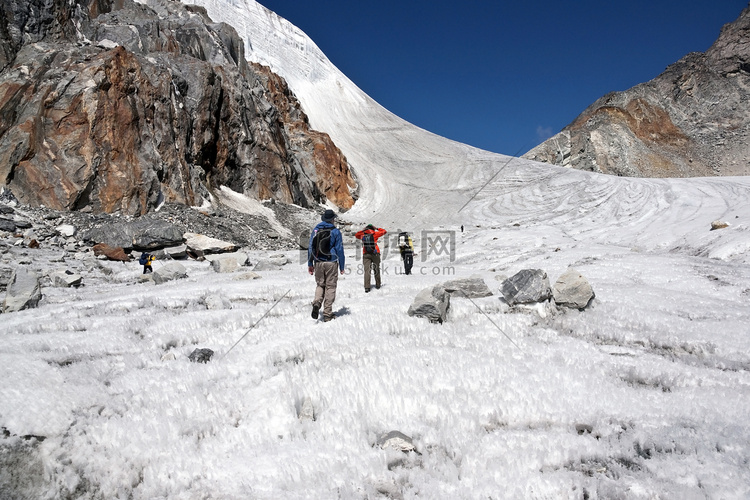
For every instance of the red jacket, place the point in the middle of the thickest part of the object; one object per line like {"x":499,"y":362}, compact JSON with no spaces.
{"x":377,"y":233}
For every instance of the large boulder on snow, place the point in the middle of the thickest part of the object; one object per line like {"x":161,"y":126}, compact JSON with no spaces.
{"x":111,"y":253}
{"x":273,"y":263}
{"x":572,"y":290}
{"x":199,"y":245}
{"x":7,"y":225}
{"x":176,"y":252}
{"x":526,"y":287}
{"x":24,"y":290}
{"x":431,"y":303}
{"x":227,"y":262}
{"x":473,"y":287}
{"x":141,"y":234}
{"x":396,"y":440}
{"x":168,"y":272}
{"x":202,"y":355}
{"x":66,"y":279}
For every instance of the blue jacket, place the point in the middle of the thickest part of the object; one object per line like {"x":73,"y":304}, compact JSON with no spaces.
{"x":337,"y":246}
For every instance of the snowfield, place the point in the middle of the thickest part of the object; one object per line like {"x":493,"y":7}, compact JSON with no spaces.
{"x":644,"y":394}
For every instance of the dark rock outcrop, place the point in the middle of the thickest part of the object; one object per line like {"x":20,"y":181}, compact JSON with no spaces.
{"x":140,"y":234}
{"x":114,"y":106}
{"x":692,"y":120}
{"x":202,"y":355}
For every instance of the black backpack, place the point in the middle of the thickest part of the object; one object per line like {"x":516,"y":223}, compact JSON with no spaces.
{"x":368,"y":242}
{"x":321,"y":244}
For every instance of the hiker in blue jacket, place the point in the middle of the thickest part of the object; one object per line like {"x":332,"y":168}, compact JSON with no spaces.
{"x":325,"y":255}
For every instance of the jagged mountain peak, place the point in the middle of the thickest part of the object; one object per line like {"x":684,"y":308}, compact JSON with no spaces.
{"x":693,"y":120}
{"x":112,"y":106}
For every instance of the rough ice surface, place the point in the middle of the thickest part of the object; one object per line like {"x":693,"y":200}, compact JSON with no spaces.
{"x":645,"y":394}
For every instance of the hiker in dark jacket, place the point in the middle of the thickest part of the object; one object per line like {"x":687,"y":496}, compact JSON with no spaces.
{"x":371,"y":253}
{"x":325,"y":256}
{"x":406,"y":247}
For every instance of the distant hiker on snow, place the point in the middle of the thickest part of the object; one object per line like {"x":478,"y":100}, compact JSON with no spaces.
{"x":406,"y":246}
{"x":325,"y":254}
{"x":145,"y":260}
{"x":371,"y":253}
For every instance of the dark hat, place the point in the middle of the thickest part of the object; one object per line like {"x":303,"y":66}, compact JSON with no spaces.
{"x":328,"y":216}
{"x":370,"y":226}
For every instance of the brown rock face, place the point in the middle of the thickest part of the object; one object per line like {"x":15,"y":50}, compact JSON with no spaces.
{"x":143,"y":105}
{"x":112,"y":253}
{"x":332,"y":174}
{"x":692,"y":120}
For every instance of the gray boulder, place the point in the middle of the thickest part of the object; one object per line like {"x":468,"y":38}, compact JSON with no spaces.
{"x":7,"y":198}
{"x":271,"y":264}
{"x":5,"y":275}
{"x":22,"y":223}
{"x":227,"y":262}
{"x":473,"y":287}
{"x":24,"y":290}
{"x":572,"y":290}
{"x":7,"y":225}
{"x":526,"y":286}
{"x":176,"y":252}
{"x":201,"y":245}
{"x":66,"y":279}
{"x":431,"y":303}
{"x":168,"y":272}
{"x":306,"y":410}
{"x":397,"y":441}
{"x":141,"y":234}
{"x":247,"y":276}
{"x":201,"y":355}
{"x":224,"y":265}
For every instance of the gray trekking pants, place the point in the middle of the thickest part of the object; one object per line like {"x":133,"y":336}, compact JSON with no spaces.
{"x":326,"y":277}
{"x":371,"y":262}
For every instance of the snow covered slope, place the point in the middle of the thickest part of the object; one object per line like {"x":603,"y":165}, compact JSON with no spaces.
{"x":645,"y":394}
{"x":402,"y":170}
{"x":413,"y":179}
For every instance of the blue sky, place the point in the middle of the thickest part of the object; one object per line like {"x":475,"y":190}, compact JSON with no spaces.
{"x":503,"y":76}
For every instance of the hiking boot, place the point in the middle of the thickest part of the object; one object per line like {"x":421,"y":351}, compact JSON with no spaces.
{"x":328,"y":318}
{"x":367,"y":290}
{"x":315,"y":311}
{"x":377,"y":287}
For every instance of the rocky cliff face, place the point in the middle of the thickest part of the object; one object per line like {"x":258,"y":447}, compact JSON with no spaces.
{"x":114,"y":106}
{"x":692,"y":120}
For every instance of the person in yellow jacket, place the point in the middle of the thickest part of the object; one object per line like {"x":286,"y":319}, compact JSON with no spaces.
{"x":146,"y":260}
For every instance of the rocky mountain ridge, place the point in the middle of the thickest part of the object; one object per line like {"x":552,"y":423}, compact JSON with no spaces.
{"x":113,"y":106}
{"x":692,"y":120}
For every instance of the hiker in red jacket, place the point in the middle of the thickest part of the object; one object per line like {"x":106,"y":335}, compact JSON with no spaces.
{"x":371,"y":253}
